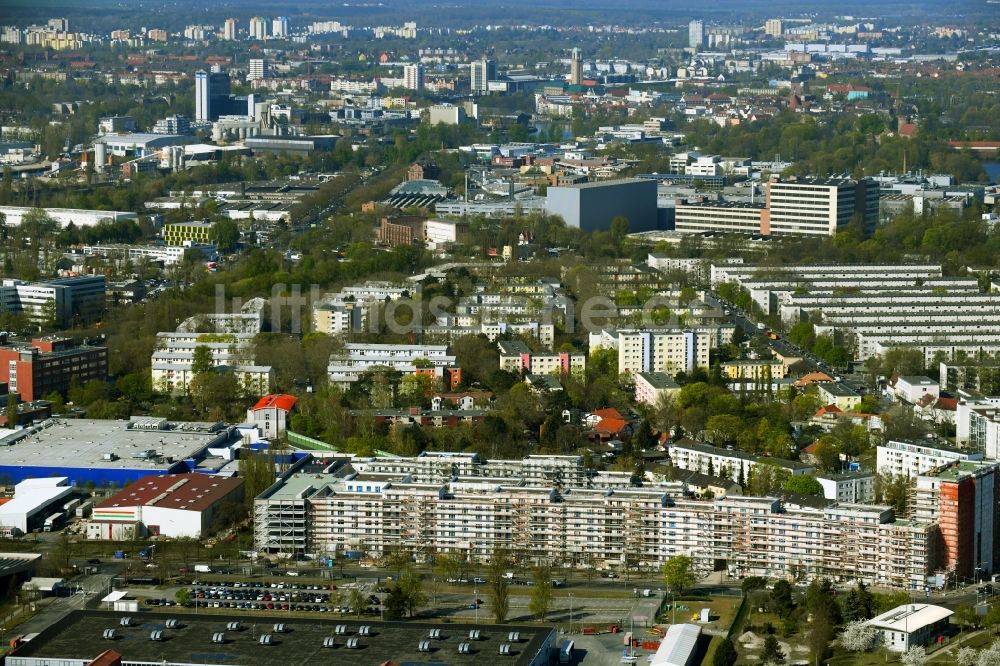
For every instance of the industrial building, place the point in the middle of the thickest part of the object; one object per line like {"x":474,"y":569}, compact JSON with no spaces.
{"x":171,"y":505}
{"x":34,"y":499}
{"x":80,"y":638}
{"x":592,"y":206}
{"x":119,"y":452}
{"x":14,"y":215}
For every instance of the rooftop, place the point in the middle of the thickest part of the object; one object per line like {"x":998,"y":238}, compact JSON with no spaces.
{"x":910,"y":617}
{"x":191,"y":492}
{"x":78,"y":636}
{"x":140,"y":443}
{"x":281,"y":401}
{"x":659,"y":380}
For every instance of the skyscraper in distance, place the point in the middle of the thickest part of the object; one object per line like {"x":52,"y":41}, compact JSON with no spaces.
{"x":202,"y":96}
{"x":229,"y":30}
{"x":696,"y":34}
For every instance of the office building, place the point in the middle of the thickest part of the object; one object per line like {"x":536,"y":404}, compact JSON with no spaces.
{"x":413,"y":76}
{"x":279,"y":27}
{"x":258,"y":69}
{"x":696,"y":34}
{"x":819,"y":207}
{"x":576,"y":67}
{"x":171,"y":505}
{"x":517,"y":357}
{"x":180,"y":233}
{"x":202,"y":96}
{"x":481,"y":73}
{"x":719,"y":216}
{"x":229,"y":29}
{"x":773,"y":28}
{"x":50,"y":364}
{"x":593,"y":206}
{"x":258,"y":28}
{"x":57,"y":302}
{"x":176,"y":124}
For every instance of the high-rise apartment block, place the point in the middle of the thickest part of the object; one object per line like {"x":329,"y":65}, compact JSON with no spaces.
{"x":481,"y":73}
{"x":279,"y":27}
{"x":229,"y":29}
{"x":413,"y":76}
{"x":258,"y":28}
{"x":202,"y":93}
{"x":819,"y":206}
{"x":258,"y":69}
{"x":773,"y":28}
{"x":696,"y":34}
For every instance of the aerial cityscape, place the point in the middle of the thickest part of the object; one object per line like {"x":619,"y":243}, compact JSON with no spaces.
{"x":434,"y":333}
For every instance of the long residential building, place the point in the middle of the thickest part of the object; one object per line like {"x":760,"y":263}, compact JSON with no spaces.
{"x":911,"y":459}
{"x":668,"y":350}
{"x":515,"y":356}
{"x":173,"y":360}
{"x":342,"y":508}
{"x":727,"y":463}
{"x":347,"y":366}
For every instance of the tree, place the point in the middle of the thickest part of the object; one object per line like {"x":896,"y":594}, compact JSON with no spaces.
{"x":803,"y":484}
{"x":725,"y":654}
{"x":752,"y":583}
{"x":226,"y":234}
{"x":915,"y":656}
{"x":619,"y":228}
{"x":772,"y":653}
{"x":858,"y":636}
{"x":678,"y":573}
{"x":541,"y":593}
{"x":183,"y":596}
{"x":357,"y":601}
{"x":395,"y":604}
{"x":966,"y":655}
{"x":499,"y":585}
{"x":781,"y":603}
{"x":10,"y":411}
{"x":411,"y":585}
{"x":201,"y":360}
{"x":820,"y":634}
{"x":859,"y":604}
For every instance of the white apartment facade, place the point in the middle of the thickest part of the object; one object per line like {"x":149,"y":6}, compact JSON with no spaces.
{"x":727,"y":463}
{"x":600,"y":528}
{"x":851,"y":487}
{"x":911,"y":459}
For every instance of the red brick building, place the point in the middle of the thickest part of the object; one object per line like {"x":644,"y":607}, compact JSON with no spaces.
{"x":50,"y":364}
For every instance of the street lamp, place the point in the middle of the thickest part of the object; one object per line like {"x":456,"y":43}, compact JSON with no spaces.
{"x":571,"y":612}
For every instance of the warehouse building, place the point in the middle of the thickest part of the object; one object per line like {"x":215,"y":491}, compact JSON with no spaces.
{"x":79,"y":217}
{"x":78,"y":639}
{"x":592,"y":206}
{"x":33,"y":501}
{"x":115,"y":452}
{"x":171,"y":505}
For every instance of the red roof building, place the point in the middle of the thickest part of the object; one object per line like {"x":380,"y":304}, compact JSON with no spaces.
{"x":174,"y":505}
{"x":270,"y":414}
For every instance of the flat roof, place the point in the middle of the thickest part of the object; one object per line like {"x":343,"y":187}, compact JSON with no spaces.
{"x":602,"y":183}
{"x":191,"y":492}
{"x":85,"y":442}
{"x":79,"y":636}
{"x":910,"y":618}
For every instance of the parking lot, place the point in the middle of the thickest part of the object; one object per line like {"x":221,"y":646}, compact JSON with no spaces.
{"x":273,"y":596}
